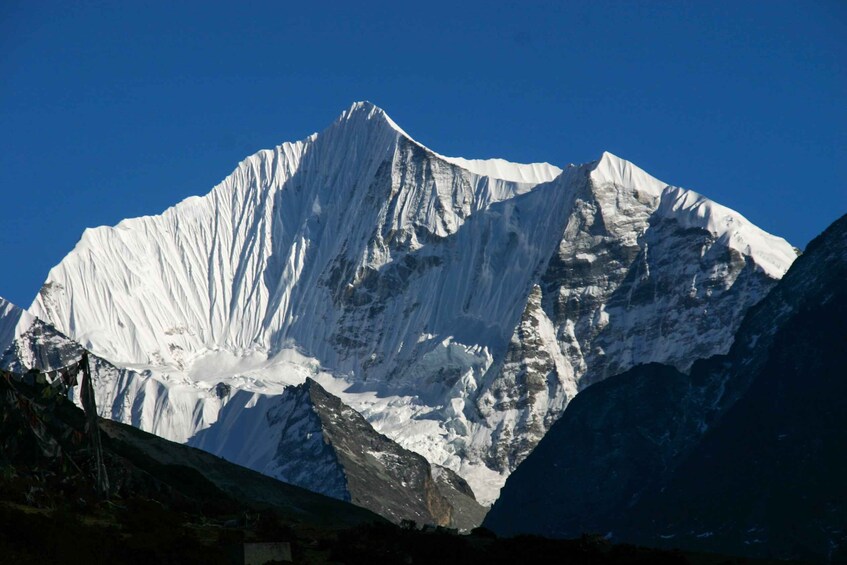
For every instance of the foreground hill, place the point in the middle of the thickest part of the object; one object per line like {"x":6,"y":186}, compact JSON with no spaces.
{"x":744,"y":456}
{"x":174,"y":504}
{"x":43,"y":443}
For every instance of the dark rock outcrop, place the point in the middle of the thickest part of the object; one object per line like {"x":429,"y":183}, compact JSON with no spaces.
{"x":312,"y":439}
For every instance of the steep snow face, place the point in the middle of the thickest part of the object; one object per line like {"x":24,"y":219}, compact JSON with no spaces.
{"x":533,"y":173}
{"x":458,"y":305}
{"x":237,"y":269}
{"x":13,"y":322}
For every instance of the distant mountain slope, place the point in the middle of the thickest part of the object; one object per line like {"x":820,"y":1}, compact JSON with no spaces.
{"x":459,"y":305}
{"x":10,"y":318}
{"x":743,"y":456}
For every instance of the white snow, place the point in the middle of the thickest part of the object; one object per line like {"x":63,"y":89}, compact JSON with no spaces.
{"x":393,"y":276}
{"x":14,"y":321}
{"x":773,"y":254}
{"x":532,"y":173}
{"x":614,"y":170}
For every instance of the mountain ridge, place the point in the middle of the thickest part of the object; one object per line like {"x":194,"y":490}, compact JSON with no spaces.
{"x":313,"y":440}
{"x":397,"y":278}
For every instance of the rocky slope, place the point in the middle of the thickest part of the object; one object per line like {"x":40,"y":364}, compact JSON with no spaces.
{"x":312,"y":439}
{"x":743,"y":456}
{"x":458,"y":305}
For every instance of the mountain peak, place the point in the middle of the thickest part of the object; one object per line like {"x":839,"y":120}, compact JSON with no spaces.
{"x":311,"y":387}
{"x":367,"y":113}
{"x":362,"y":107}
{"x":610,"y":168}
{"x":365,"y":106}
{"x":14,"y":320}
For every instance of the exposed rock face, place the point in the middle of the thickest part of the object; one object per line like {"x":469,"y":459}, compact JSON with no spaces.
{"x":459,"y":305}
{"x":768,"y":477}
{"x":534,"y":375}
{"x":314,"y":440}
{"x":743,"y":456}
{"x":612,"y":442}
{"x":466,"y":513}
{"x":630,"y":282}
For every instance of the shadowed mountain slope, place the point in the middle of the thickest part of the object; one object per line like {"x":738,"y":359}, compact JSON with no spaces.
{"x":744,"y":455}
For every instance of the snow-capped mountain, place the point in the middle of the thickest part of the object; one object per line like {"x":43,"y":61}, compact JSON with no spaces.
{"x":459,"y":305}
{"x":14,"y":321}
{"x":27,"y":342}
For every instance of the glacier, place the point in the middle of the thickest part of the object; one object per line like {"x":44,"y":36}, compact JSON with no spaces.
{"x":457,"y":304}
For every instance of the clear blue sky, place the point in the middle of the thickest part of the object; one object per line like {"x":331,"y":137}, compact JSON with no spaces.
{"x":117,"y":109}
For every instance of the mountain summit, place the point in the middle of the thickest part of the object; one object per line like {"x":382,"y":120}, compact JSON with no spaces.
{"x":458,"y":304}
